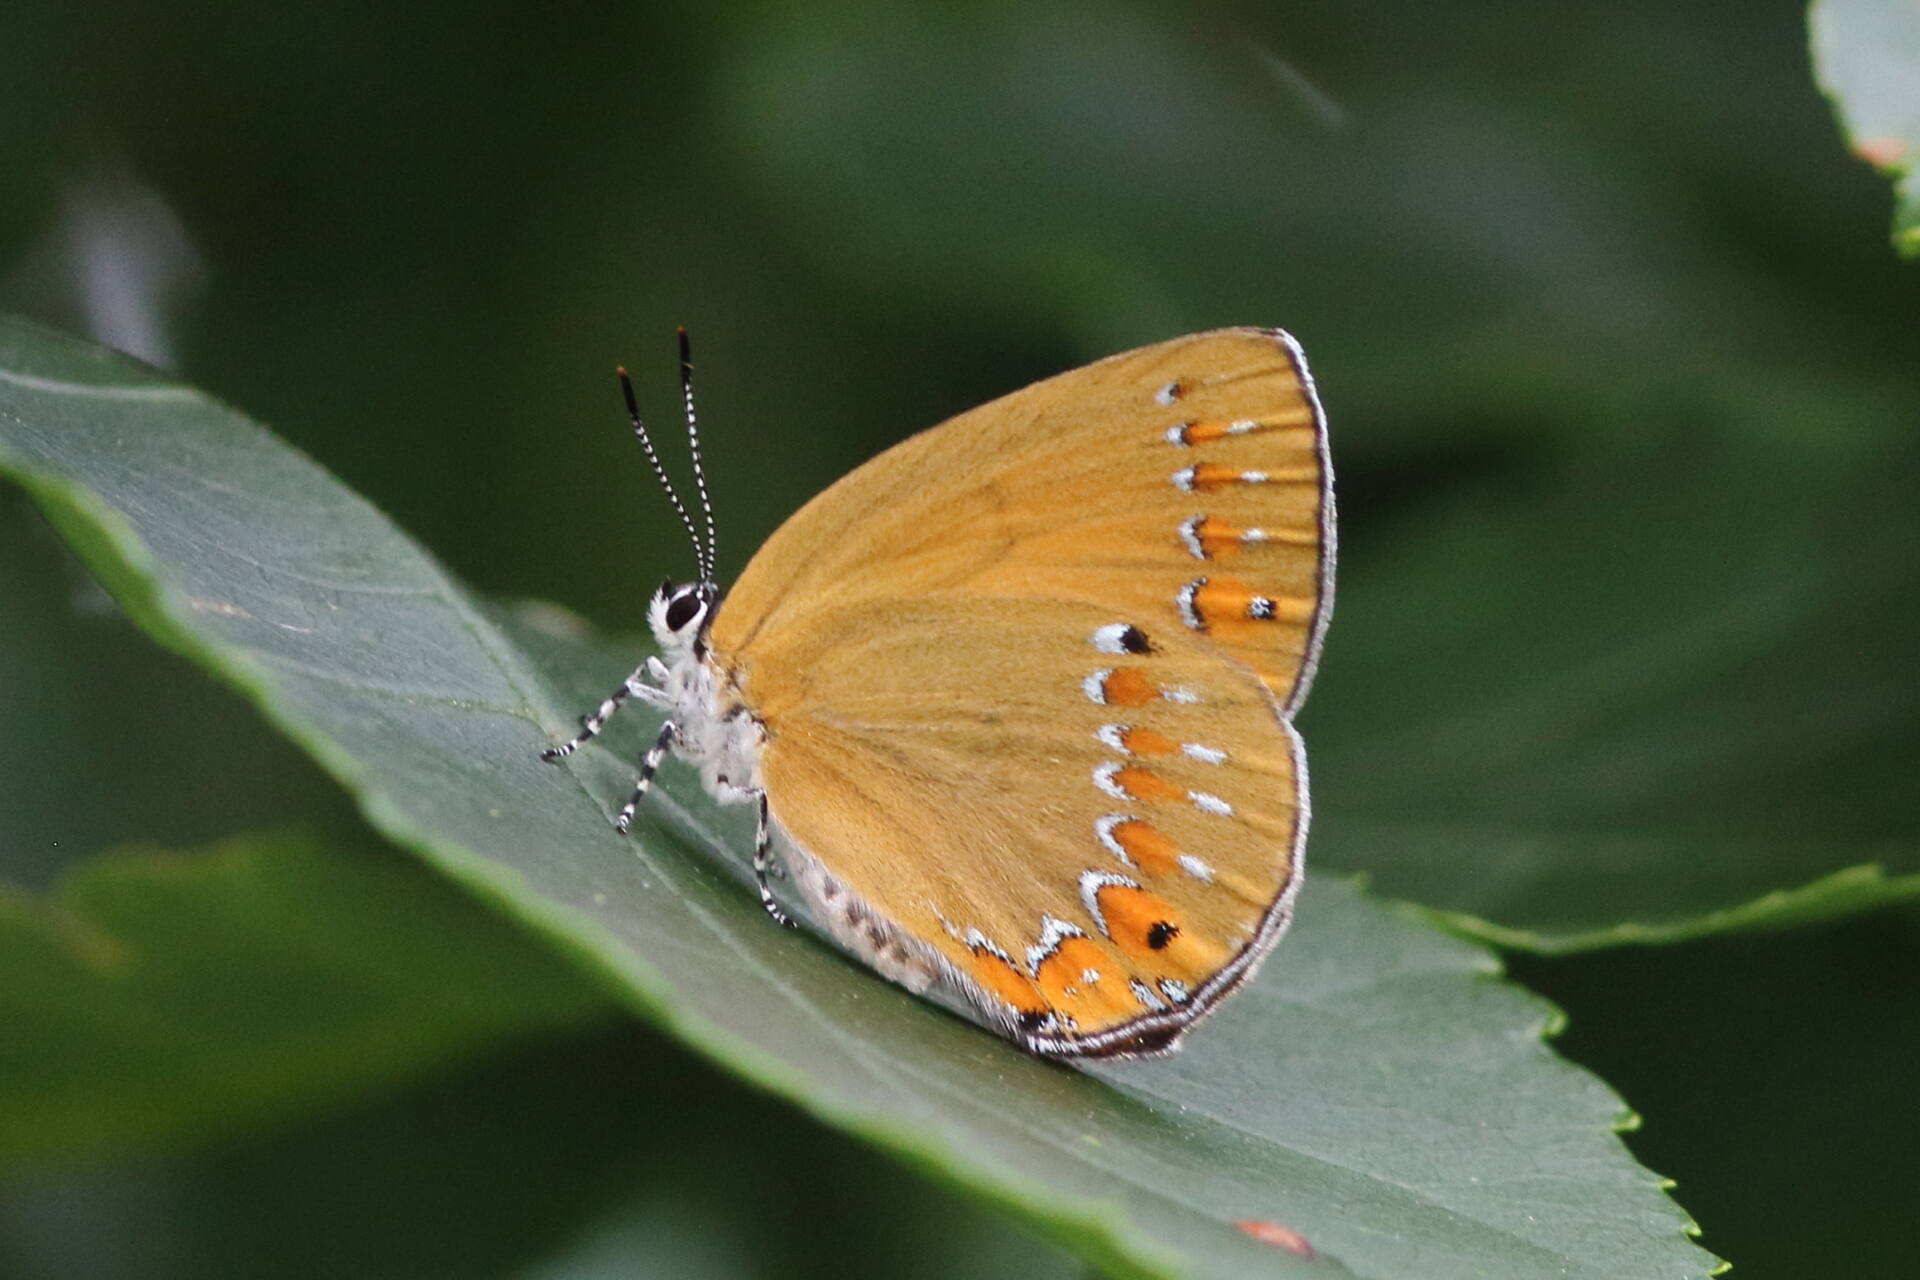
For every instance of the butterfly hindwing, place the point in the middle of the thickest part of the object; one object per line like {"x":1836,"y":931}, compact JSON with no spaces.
{"x":1093,"y":836}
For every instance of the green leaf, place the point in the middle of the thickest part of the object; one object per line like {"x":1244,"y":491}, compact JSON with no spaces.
{"x":1866,"y":54}
{"x":1378,"y":1091}
{"x":161,"y":997}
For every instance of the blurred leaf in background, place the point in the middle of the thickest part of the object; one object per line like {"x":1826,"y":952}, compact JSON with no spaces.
{"x":165,"y":996}
{"x":1622,"y":375}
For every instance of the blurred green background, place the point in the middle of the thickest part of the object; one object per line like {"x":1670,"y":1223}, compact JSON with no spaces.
{"x":1624,"y":383}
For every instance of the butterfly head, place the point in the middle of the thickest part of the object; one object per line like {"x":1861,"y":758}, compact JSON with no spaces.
{"x":679,"y":614}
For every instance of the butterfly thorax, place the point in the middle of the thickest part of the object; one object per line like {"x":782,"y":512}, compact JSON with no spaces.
{"x":712,"y":730}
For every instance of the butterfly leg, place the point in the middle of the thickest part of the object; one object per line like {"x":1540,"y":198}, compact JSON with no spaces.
{"x":762,"y":859}
{"x":655,"y":754}
{"x":590,"y":725}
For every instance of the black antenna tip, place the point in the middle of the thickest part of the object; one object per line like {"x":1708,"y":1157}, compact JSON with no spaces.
{"x":626,"y":389}
{"x":686,"y":348}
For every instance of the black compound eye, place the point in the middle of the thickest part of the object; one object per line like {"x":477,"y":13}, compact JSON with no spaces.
{"x":681,"y":610}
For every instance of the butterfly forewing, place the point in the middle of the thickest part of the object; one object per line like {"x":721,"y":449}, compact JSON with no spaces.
{"x":1025,"y":678}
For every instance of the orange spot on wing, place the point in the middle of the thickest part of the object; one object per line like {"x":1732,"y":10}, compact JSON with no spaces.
{"x":1003,"y":981}
{"x":1207,"y":430}
{"x":1150,"y":851}
{"x":1202,"y":432}
{"x":1150,"y":931}
{"x":1062,"y":979}
{"x":1220,"y":540}
{"x":1223,"y":600}
{"x":1211,"y":476}
{"x":1142,"y":784}
{"x":1128,"y":687}
{"x":1145,"y":742}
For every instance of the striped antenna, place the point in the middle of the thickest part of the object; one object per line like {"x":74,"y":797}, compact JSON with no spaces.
{"x":660,"y":472}
{"x":699,"y":469}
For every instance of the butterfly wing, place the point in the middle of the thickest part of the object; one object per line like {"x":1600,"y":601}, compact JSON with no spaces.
{"x":1026,"y":681}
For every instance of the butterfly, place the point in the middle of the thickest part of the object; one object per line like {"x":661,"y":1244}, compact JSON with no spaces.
{"x":1015,"y":699}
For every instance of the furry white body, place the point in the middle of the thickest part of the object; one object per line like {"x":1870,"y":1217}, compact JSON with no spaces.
{"x":711,"y":729}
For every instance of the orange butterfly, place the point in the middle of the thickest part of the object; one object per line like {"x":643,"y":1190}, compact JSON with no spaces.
{"x":1015,"y":698}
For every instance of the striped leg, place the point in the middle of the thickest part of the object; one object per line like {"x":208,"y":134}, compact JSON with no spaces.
{"x":590,"y":725}
{"x":762,"y":858}
{"x":655,"y":754}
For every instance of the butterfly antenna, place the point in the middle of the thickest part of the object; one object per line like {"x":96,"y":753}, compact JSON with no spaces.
{"x":659,"y":472}
{"x":699,"y":468}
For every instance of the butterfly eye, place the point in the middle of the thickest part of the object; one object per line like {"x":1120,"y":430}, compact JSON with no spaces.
{"x":682,"y":609}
